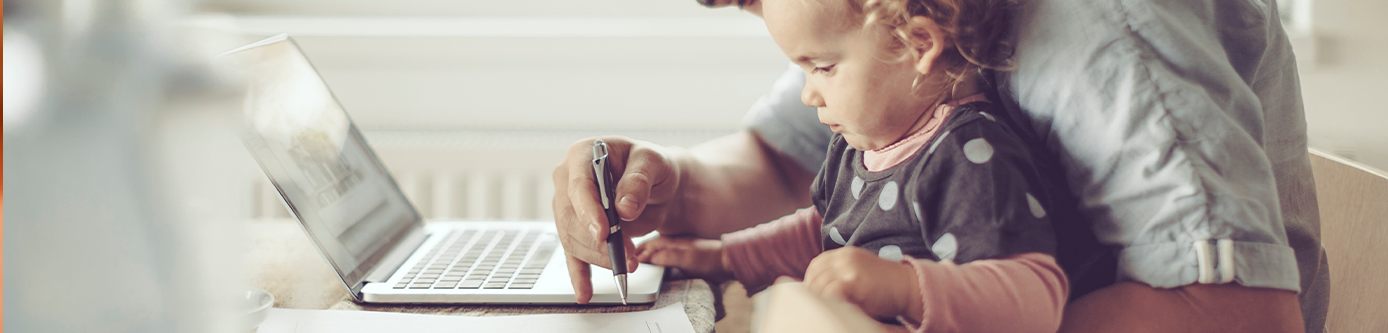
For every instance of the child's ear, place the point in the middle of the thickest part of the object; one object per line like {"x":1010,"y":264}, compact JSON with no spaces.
{"x":928,"y":40}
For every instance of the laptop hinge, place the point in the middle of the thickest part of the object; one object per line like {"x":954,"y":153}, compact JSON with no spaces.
{"x":355,"y":291}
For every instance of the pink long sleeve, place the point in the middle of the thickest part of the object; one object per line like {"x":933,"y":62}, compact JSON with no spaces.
{"x":1022,"y":293}
{"x":760,"y":254}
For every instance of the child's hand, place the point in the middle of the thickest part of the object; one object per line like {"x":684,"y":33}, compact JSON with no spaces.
{"x":883,"y":288}
{"x":697,"y":257}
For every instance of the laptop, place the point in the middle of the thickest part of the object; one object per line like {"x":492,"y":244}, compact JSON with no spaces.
{"x":356,"y":214}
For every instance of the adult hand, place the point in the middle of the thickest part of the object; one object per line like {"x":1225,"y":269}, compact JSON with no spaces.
{"x":649,"y":180}
{"x":882,"y":288}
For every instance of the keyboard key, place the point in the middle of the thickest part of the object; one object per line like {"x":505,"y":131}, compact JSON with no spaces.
{"x":495,"y":286}
{"x":447,"y":285}
{"x":522,"y":286}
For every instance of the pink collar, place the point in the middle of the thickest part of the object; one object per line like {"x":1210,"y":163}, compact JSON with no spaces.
{"x":900,"y":151}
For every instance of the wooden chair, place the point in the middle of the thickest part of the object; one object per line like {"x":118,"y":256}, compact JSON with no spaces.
{"x":1354,"y":230}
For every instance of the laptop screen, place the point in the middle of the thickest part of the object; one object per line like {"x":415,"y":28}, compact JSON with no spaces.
{"x":318,"y":160}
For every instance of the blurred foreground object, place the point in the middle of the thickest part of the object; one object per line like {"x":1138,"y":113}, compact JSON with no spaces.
{"x":791,"y":308}
{"x":114,"y":151}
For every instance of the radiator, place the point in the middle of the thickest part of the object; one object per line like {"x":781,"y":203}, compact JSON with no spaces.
{"x":451,"y":195}
{"x":477,"y":175}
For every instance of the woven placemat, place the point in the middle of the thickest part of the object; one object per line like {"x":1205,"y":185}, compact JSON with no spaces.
{"x":696,"y":294}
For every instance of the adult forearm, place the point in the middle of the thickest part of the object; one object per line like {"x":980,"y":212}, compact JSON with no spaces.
{"x":732,"y":183}
{"x":1134,"y":307}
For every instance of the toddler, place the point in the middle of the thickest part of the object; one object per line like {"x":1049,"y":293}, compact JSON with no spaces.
{"x":930,"y":209}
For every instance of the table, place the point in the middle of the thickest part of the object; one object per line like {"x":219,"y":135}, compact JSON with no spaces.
{"x":283,"y":261}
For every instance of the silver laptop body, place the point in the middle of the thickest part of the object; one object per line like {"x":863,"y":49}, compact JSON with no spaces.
{"x":364,"y":226}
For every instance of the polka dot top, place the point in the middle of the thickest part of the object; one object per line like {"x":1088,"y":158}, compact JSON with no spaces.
{"x":972,"y":193}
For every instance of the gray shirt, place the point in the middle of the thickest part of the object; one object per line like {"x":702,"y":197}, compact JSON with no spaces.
{"x":1180,"y":129}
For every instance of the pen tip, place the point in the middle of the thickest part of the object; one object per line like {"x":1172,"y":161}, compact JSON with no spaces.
{"x":622,"y":286}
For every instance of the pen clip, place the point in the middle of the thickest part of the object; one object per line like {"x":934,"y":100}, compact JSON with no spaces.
{"x":600,"y":171}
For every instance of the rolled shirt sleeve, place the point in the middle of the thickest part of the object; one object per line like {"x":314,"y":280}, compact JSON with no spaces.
{"x":1150,"y":107}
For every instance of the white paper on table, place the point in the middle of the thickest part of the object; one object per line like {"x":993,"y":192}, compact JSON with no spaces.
{"x":669,"y":319}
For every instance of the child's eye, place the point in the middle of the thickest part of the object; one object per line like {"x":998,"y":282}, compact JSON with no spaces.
{"x":822,"y":70}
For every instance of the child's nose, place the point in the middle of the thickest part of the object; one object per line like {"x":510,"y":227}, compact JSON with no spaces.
{"x":811,"y":97}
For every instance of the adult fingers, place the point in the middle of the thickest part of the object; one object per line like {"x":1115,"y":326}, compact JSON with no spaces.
{"x":580,"y":274}
{"x":575,"y":236}
{"x":648,"y":178}
{"x":582,"y":193}
{"x":576,"y":210}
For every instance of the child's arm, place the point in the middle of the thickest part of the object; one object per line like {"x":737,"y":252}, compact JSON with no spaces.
{"x":755,"y":256}
{"x":785,"y":247}
{"x":1022,"y":293}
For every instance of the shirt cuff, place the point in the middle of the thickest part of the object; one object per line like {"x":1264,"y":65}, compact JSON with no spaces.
{"x":1175,"y":264}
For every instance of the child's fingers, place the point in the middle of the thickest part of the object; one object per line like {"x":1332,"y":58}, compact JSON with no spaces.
{"x":657,"y":245}
{"x":644,"y":251}
{"x":668,"y":258}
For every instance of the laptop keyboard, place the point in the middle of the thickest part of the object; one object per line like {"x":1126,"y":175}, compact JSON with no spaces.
{"x":492,"y":259}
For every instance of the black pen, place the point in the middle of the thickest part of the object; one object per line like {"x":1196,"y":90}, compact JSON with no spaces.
{"x":607,"y":190}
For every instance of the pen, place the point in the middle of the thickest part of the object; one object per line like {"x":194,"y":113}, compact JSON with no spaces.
{"x":607,"y":190}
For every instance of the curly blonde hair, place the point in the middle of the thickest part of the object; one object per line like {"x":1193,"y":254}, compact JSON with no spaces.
{"x":979,"y":28}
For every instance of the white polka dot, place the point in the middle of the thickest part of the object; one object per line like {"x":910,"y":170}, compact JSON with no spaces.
{"x":945,"y":247}
{"x":986,"y":115}
{"x":887,"y":200}
{"x":978,"y":151}
{"x":1036,"y":209}
{"x":857,"y":187}
{"x":917,"y":206}
{"x":889,"y":252}
{"x":834,"y":235}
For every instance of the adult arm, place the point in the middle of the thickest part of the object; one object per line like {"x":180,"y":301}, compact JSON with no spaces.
{"x":1160,"y":112}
